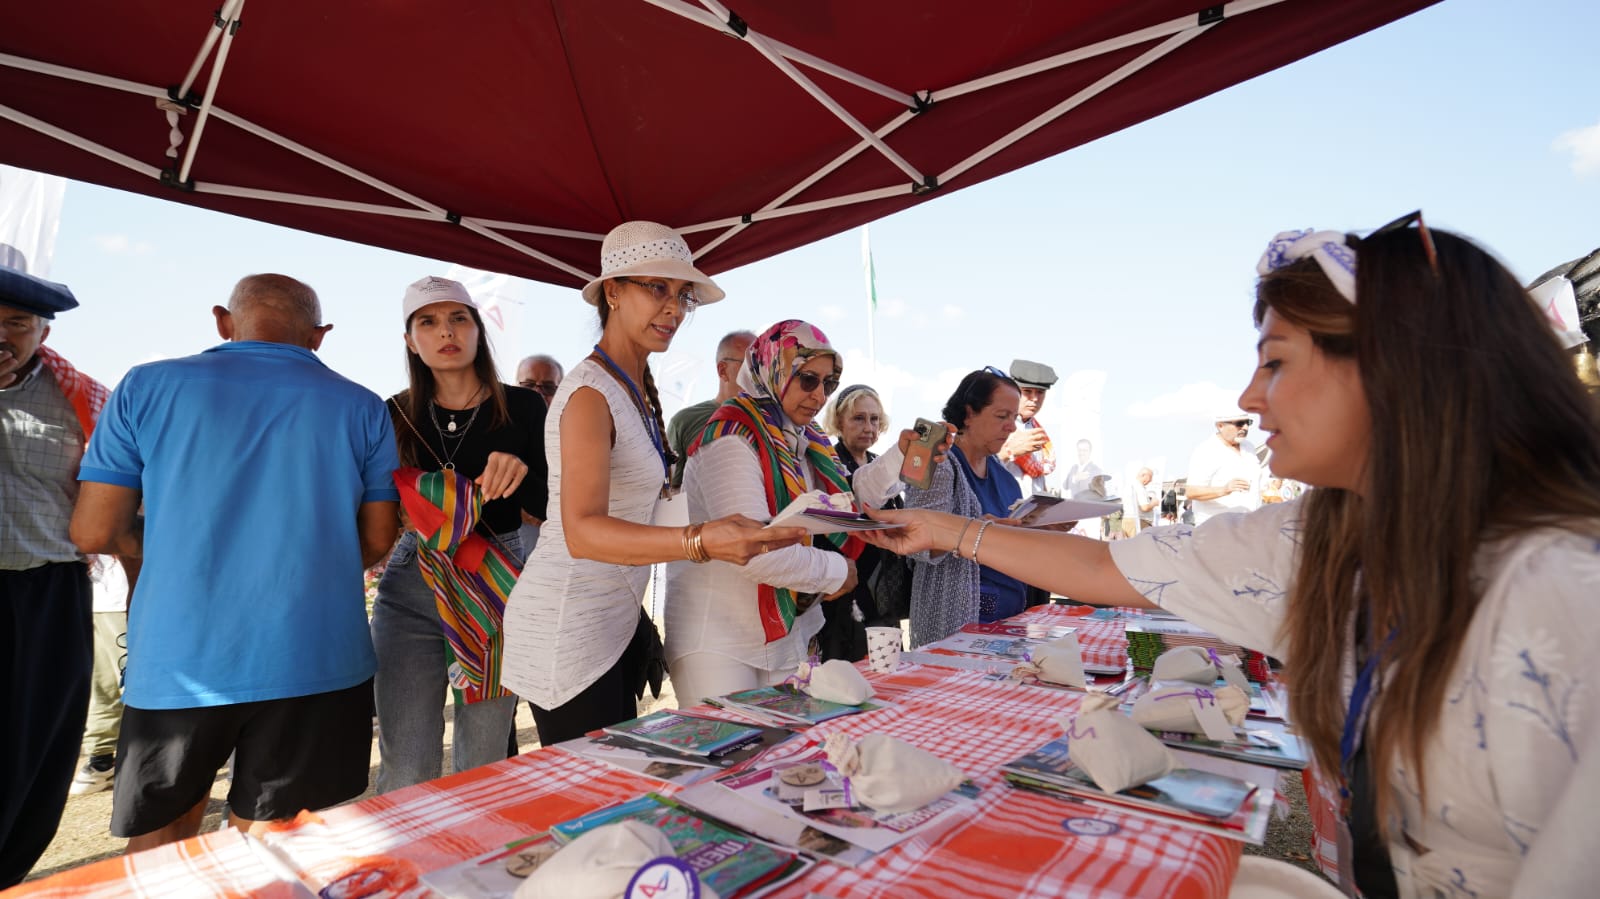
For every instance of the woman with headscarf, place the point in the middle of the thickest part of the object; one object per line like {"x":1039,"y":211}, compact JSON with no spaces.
{"x":735,"y":628}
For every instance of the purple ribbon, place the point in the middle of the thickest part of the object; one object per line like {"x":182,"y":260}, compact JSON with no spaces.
{"x":1198,"y":693}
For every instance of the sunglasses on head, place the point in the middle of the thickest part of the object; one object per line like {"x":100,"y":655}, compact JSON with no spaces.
{"x":1423,"y":234}
{"x":810,"y":381}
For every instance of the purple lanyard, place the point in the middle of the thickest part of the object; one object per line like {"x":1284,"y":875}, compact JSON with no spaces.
{"x":649,"y":420}
{"x":1355,"y":718}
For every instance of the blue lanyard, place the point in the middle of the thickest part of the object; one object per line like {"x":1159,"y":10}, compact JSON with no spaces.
{"x":649,"y":420}
{"x":1355,"y":717}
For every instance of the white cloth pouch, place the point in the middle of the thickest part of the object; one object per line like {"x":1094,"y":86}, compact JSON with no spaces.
{"x":890,"y":775}
{"x":599,"y":864}
{"x":1111,"y":749}
{"x":835,"y":681}
{"x":1170,"y":707}
{"x":1060,"y":662}
{"x":1188,"y":663}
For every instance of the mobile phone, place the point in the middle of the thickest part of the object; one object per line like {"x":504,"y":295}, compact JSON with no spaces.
{"x":917,"y":469}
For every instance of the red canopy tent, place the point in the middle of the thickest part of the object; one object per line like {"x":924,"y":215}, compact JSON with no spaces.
{"x":510,"y":136}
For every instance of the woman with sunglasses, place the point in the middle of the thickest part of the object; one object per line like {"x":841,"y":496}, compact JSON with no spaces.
{"x":1433,"y":600}
{"x":949,"y":591}
{"x":731,"y":628}
{"x":578,"y":644}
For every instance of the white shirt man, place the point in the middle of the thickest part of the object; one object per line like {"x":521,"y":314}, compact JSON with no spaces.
{"x":1224,"y":473}
{"x":1144,"y":500}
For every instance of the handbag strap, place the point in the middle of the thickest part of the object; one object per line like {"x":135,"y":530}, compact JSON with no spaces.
{"x":405,"y":418}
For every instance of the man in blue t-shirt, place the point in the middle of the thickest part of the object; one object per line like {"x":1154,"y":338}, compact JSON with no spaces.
{"x":267,"y":491}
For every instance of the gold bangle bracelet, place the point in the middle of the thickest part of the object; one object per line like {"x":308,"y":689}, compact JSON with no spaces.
{"x":963,"y":538}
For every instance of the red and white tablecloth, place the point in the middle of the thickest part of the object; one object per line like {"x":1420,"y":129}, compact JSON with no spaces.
{"x":1013,"y":843}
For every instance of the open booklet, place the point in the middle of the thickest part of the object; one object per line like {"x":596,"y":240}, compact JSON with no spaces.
{"x":826,"y":513}
{"x":1041,"y":509}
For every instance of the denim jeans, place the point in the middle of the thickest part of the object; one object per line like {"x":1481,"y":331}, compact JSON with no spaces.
{"x":410,"y":686}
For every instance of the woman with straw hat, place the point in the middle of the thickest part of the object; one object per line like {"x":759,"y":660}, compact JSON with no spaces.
{"x":578,"y":644}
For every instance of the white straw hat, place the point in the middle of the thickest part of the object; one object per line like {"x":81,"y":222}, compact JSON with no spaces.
{"x":432,"y":290}
{"x":645,"y":249}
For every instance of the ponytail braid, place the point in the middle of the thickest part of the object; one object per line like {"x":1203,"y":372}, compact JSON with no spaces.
{"x":654,"y":399}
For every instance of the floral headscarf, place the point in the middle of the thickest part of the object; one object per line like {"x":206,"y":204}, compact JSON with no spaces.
{"x":757,"y":415}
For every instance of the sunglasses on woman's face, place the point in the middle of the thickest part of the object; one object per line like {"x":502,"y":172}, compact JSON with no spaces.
{"x":809,"y":381}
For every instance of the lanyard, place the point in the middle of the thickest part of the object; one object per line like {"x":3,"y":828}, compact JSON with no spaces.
{"x":1355,"y":718}
{"x":638,"y":400}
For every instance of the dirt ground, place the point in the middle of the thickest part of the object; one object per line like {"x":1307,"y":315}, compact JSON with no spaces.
{"x":84,"y":835}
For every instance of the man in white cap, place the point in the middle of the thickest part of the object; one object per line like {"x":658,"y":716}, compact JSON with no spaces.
{"x":1028,"y":453}
{"x":1224,"y":473}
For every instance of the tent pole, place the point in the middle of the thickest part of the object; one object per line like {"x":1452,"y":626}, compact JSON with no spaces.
{"x":80,"y":76}
{"x":219,"y":23}
{"x":67,"y":137}
{"x":231,"y":28}
{"x":1045,"y":118}
{"x":524,"y":248}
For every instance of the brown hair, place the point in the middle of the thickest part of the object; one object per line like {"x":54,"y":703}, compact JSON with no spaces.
{"x":414,"y":400}
{"x":1481,"y":431}
{"x":651,"y":395}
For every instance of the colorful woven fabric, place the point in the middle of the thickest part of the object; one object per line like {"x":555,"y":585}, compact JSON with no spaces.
{"x":470,"y":577}
{"x":757,"y":416}
{"x":86,"y":395}
{"x":1041,"y":462}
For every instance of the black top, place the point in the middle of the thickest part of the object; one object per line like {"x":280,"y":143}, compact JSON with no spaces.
{"x":523,"y":438}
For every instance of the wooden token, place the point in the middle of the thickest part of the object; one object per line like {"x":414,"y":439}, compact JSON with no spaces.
{"x":525,"y":861}
{"x":807,"y":775}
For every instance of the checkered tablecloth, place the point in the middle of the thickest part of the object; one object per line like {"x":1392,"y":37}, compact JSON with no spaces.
{"x":1103,"y":642}
{"x":1012,"y":843}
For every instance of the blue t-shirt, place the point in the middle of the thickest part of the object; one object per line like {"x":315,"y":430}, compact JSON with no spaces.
{"x":253,"y":459}
{"x":999,"y":595}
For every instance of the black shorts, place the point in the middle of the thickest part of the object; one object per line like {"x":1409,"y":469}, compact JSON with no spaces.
{"x":305,"y":752}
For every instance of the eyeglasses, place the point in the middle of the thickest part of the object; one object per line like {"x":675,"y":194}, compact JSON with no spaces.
{"x":1242,"y":423}
{"x":1405,"y":221}
{"x":547,"y":388}
{"x":739,"y":361}
{"x":687,"y":301}
{"x":810,"y":381}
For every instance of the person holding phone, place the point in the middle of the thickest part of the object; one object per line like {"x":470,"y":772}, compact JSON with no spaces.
{"x":950,"y":590}
{"x":736,"y":628}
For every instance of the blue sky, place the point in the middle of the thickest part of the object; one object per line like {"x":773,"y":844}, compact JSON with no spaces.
{"x":1130,"y":260}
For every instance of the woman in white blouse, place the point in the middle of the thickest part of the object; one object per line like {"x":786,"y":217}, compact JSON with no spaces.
{"x":1434,"y":601}
{"x":577,"y":641}
{"x":735,"y":628}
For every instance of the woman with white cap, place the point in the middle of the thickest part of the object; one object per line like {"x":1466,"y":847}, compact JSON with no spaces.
{"x":578,"y":643}
{"x":457,"y":415}
{"x":1433,"y":600}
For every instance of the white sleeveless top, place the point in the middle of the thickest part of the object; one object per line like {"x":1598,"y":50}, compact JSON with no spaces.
{"x":568,"y":620}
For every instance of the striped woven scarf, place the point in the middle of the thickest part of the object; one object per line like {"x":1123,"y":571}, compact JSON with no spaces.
{"x":784,"y":480}
{"x":469,"y":575}
{"x":86,"y":395}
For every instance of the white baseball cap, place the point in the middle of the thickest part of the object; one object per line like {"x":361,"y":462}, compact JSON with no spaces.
{"x":433,"y":289}
{"x":1235,"y":415}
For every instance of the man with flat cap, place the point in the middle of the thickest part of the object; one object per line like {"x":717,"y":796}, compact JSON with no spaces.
{"x":48,"y":410}
{"x":1028,"y":453}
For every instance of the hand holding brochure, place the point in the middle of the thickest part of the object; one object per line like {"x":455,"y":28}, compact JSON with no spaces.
{"x":826,"y":513}
{"x":1041,"y":510}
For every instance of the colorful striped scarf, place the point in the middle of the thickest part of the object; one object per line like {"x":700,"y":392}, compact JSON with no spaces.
{"x":470,"y":577}
{"x":757,"y":422}
{"x":86,"y":395}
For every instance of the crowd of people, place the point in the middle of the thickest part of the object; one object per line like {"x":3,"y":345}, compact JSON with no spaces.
{"x":1430,"y":612}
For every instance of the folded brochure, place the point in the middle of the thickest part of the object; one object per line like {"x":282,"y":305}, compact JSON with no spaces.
{"x":826,"y":513}
{"x":691,"y":734}
{"x":1041,"y":510}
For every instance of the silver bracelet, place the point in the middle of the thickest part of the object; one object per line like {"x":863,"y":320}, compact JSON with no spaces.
{"x":979,"y":541}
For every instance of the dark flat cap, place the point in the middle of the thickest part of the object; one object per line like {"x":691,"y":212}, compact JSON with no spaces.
{"x":1033,"y":374}
{"x":20,"y":290}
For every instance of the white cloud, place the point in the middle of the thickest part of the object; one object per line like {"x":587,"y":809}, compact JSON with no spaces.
{"x":951,"y":312}
{"x":1584,"y":145}
{"x":832,"y":313}
{"x":1191,"y":401}
{"x":893,"y":308}
{"x":122,"y":245}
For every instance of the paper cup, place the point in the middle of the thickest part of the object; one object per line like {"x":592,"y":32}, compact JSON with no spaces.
{"x":883,"y":649}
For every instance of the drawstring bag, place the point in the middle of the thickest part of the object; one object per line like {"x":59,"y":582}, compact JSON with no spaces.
{"x":834,"y":681}
{"x":599,"y":864}
{"x":1171,"y":707}
{"x":890,"y":775}
{"x":1115,"y":752}
{"x":1060,"y":662}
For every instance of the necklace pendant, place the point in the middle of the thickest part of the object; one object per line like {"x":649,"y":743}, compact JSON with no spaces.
{"x":449,"y":466}
{"x":451,"y":427}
